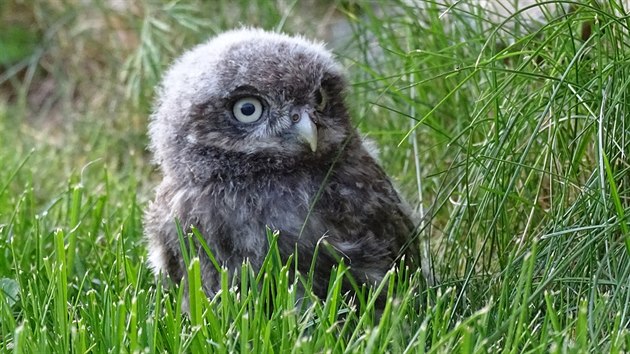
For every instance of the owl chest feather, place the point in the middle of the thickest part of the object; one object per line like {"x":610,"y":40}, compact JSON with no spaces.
{"x":233,"y":216}
{"x":353,"y":204}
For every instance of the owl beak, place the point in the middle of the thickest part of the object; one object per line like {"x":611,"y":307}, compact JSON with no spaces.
{"x":305,"y":128}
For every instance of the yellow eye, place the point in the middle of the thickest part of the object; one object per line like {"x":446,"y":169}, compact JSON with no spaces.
{"x":320,"y":99}
{"x":247,"y":110}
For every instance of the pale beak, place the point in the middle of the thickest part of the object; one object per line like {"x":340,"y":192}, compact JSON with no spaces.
{"x":305,"y":128}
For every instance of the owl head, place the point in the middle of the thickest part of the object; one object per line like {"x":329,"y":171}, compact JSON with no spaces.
{"x":246,"y":102}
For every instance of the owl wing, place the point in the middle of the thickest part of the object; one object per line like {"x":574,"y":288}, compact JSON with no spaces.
{"x":362,"y":219}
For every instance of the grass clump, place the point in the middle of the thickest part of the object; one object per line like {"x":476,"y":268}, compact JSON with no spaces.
{"x":512,"y":139}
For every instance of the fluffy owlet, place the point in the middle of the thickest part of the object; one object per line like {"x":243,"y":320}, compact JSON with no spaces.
{"x":251,"y":131}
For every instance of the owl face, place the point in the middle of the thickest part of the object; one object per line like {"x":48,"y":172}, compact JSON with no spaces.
{"x":250,"y":94}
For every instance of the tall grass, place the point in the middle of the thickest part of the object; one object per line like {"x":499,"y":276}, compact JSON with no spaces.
{"x":512,"y":140}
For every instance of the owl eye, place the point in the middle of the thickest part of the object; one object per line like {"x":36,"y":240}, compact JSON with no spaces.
{"x":247,"y":110}
{"x":320,"y":99}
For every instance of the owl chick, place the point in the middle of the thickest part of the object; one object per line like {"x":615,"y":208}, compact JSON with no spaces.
{"x":251,"y":131}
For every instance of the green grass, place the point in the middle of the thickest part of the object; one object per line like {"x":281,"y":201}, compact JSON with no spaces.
{"x":515,"y":145}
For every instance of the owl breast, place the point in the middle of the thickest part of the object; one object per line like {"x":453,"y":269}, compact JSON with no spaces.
{"x":234,"y":216}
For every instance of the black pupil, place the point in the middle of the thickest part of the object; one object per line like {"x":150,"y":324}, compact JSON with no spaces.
{"x":248,"y":109}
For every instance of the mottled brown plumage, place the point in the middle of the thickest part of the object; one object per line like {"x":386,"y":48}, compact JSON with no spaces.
{"x":300,"y":167}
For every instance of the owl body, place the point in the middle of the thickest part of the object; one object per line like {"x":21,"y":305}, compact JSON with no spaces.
{"x":251,"y":133}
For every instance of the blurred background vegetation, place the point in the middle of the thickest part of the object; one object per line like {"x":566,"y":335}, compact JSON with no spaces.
{"x":107,"y":54}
